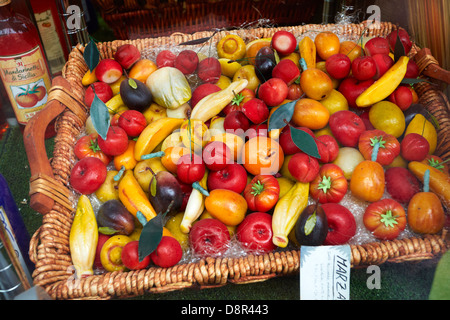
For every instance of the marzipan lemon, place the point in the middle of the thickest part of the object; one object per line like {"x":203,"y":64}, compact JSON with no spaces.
{"x":387,"y":116}
{"x":229,"y":67}
{"x":335,"y":102}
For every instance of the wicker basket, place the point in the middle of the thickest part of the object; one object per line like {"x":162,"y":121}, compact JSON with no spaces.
{"x":130,"y":20}
{"x":50,"y":192}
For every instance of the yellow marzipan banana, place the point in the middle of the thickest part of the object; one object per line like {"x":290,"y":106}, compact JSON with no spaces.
{"x":383,"y":87}
{"x":89,"y":78}
{"x":83,"y":238}
{"x":286,"y":212}
{"x":195,"y":206}
{"x":213,"y":104}
{"x":133,"y":197}
{"x":114,"y":103}
{"x":154,"y":134}
{"x":307,"y":50}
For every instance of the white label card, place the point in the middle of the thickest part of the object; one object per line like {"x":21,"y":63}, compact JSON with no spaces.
{"x":325,"y":272}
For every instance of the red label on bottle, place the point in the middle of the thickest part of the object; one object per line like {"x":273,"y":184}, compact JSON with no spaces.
{"x":26,"y":81}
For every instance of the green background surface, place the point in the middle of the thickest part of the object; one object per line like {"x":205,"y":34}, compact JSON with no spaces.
{"x":404,"y":281}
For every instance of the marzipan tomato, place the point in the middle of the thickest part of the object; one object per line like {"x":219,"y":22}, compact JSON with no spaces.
{"x":87,"y":146}
{"x":385,"y":218}
{"x":389,"y":146}
{"x":262,"y":193}
{"x":330,"y":185}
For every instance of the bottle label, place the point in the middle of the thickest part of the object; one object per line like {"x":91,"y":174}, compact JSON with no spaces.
{"x":26,"y":81}
{"x":50,"y":40}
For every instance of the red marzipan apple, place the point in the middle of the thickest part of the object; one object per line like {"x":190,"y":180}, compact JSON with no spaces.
{"x":402,"y":97}
{"x":186,"y":190}
{"x":412,"y":70}
{"x":328,"y":148}
{"x":88,"y":175}
{"x":365,"y":118}
{"x":284,"y":42}
{"x":377,"y":45}
{"x":255,"y":232}
{"x":364,"y":68}
{"x":130,"y":256}
{"x":351,"y":88}
{"x":256,"y":110}
{"x":116,"y":141}
{"x":209,"y":237}
{"x":286,"y":70}
{"x":202,"y":91}
{"x":165,"y":58}
{"x":236,"y":120}
{"x":233,"y":177}
{"x":133,"y":122}
{"x":102,"y":238}
{"x":187,"y":61}
{"x":168,"y":252}
{"x":190,"y":168}
{"x":108,"y":71}
{"x":102,"y":90}
{"x":404,"y":39}
{"x":209,"y":70}
{"x":383,"y":62}
{"x":127,"y":55}
{"x":273,"y":92}
{"x":338,"y":65}
{"x":346,"y":127}
{"x":303,"y":167}
{"x":294,"y":91}
{"x":217,"y":155}
{"x":341,"y":224}
{"x":414,"y":147}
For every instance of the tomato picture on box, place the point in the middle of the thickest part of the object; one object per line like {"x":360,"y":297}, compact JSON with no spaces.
{"x":30,"y":95}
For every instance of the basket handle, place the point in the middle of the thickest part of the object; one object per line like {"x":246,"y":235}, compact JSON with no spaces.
{"x":45,"y":190}
{"x":429,"y":66}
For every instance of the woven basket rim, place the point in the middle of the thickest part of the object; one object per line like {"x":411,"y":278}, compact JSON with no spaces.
{"x":49,"y":247}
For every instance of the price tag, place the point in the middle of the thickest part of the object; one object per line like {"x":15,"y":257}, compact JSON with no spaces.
{"x":325,"y":272}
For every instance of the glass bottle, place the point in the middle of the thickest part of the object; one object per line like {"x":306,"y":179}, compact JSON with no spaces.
{"x":15,"y":276}
{"x":14,"y":224}
{"x":51,"y":32}
{"x":23,"y":66}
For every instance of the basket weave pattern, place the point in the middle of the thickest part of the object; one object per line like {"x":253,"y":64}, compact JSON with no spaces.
{"x":49,"y":248}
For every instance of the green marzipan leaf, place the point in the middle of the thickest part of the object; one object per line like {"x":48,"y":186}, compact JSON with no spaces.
{"x":132,"y":83}
{"x":91,"y":55}
{"x":310,"y":223}
{"x":414,"y":81}
{"x":153,"y":186}
{"x":100,"y":117}
{"x":282,"y":115}
{"x":150,"y":237}
{"x":107,"y":230}
{"x":399,"y":49}
{"x":305,"y":142}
